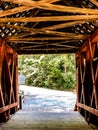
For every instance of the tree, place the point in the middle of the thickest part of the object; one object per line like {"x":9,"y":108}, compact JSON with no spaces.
{"x":50,"y":71}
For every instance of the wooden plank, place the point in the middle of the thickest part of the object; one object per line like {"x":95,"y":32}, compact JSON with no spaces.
{"x":16,"y":39}
{"x":40,"y":42}
{"x":42,"y":45}
{"x":88,"y":108}
{"x":5,"y":108}
{"x":12,"y":97}
{"x":44,"y":49}
{"x":22,"y":8}
{"x":49,"y":18}
{"x":53,"y":7}
{"x":64,"y":45}
{"x":48,"y":1}
{"x":16,"y":79}
{"x":82,"y":77}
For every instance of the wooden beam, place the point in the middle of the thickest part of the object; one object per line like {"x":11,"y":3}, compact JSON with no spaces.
{"x":49,"y":1}
{"x":53,"y":7}
{"x":49,"y":18}
{"x":87,"y":108}
{"x":22,"y":8}
{"x":64,"y":45}
{"x":44,"y":45}
{"x":5,"y":108}
{"x":27,"y":47}
{"x":40,"y":42}
{"x":43,"y":49}
{"x":16,"y":39}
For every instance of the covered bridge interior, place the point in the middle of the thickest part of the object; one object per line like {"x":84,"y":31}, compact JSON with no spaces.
{"x":48,"y":27}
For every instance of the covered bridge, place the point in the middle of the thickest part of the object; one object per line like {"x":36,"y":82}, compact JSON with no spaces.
{"x":48,"y":27}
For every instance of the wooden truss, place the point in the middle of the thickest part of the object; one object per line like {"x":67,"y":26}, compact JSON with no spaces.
{"x":8,"y":81}
{"x":35,"y":27}
{"x":87,"y":80}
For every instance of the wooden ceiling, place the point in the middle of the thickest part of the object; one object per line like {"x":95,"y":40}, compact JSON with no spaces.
{"x":47,"y":26}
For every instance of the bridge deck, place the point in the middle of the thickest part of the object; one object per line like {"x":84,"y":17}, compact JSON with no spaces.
{"x":28,"y":120}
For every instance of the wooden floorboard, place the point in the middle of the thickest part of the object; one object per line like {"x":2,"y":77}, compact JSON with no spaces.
{"x":28,"y":120}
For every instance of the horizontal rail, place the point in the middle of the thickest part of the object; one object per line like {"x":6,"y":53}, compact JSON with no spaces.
{"x":88,"y":108}
{"x":5,"y":108}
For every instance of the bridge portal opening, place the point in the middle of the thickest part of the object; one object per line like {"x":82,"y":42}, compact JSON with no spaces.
{"x":44,"y":73}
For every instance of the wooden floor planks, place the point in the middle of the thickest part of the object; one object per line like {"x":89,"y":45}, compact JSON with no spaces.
{"x":28,"y":120}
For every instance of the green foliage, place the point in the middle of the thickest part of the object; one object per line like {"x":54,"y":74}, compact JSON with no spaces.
{"x":50,"y":71}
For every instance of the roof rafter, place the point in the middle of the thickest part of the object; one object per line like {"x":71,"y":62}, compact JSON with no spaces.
{"x":45,"y":49}
{"x":22,"y":8}
{"x":16,"y":39}
{"x":48,"y":6}
{"x":42,"y":42}
{"x":57,"y":45}
{"x":49,"y":18}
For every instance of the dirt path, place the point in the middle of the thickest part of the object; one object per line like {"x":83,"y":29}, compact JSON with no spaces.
{"x":45,"y":100}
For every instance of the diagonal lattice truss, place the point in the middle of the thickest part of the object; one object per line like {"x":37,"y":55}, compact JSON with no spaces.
{"x":47,"y":26}
{"x":87,"y":73}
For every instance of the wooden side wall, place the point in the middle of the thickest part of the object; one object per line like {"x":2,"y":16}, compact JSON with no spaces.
{"x":87,"y":81}
{"x":8,"y":81}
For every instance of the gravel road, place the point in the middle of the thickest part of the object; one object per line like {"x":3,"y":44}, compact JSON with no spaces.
{"x":45,"y":100}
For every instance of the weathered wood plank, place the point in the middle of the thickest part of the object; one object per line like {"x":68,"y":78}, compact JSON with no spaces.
{"x":49,"y":18}
{"x":16,"y":39}
{"x":44,"y":49}
{"x":5,"y":108}
{"x":48,"y":1}
{"x":88,"y":108}
{"x":22,"y":8}
{"x":53,"y":7}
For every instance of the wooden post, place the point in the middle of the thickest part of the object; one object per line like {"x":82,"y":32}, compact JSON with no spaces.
{"x":20,"y":102}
